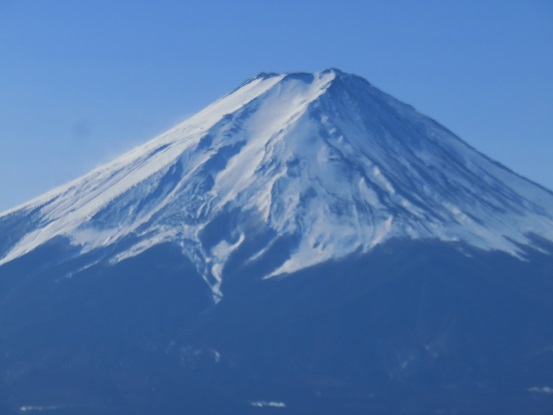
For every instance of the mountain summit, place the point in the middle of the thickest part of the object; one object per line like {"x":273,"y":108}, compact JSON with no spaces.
{"x":286,"y":172}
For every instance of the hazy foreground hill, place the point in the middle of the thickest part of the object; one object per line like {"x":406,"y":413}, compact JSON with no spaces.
{"x":305,"y":245}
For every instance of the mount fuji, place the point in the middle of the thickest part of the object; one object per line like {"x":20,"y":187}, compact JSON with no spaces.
{"x":305,"y":244}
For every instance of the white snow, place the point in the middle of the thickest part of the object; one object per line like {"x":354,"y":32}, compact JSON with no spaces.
{"x":45,"y":408}
{"x":268,"y":404}
{"x":547,"y":390}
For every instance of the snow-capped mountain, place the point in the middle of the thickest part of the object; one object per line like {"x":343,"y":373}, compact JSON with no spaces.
{"x":323,"y":164}
{"x":418,"y":271}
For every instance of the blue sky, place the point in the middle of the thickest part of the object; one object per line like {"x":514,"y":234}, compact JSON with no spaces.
{"x":81,"y":82}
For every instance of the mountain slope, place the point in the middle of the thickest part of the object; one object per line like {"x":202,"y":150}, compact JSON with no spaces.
{"x":314,"y":167}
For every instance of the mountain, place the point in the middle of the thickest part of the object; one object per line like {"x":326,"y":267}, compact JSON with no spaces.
{"x":306,"y":244}
{"x":270,"y":162}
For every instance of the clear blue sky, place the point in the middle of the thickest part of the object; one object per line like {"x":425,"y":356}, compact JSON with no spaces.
{"x":83,"y":81}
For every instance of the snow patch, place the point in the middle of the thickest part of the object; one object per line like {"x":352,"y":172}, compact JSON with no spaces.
{"x":547,"y":390}
{"x":268,"y":404}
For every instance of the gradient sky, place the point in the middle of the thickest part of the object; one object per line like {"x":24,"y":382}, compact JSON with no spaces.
{"x":81,"y":82}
